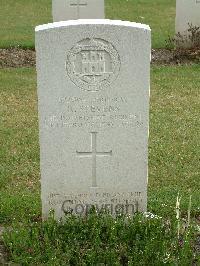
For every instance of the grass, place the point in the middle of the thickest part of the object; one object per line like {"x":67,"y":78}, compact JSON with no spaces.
{"x":174,"y":146}
{"x":102,"y":240}
{"x":174,"y":164}
{"x":173,"y":167}
{"x":21,"y":18}
{"x":19,"y":153}
{"x":23,"y":15}
{"x":159,"y":14}
{"x":173,"y":149}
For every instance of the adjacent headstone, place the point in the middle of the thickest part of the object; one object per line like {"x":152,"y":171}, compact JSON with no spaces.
{"x":187,"y":11}
{"x":93,"y":91}
{"x":77,"y":9}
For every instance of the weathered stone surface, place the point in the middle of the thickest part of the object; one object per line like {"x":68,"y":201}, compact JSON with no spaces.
{"x":187,"y":11}
{"x":93,"y":92}
{"x":77,"y":9}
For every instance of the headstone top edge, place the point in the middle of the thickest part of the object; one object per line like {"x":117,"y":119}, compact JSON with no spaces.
{"x":61,"y":24}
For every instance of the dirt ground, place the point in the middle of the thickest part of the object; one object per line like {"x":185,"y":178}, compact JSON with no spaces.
{"x":16,"y":57}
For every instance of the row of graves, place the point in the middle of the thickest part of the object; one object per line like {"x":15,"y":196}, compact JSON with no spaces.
{"x":187,"y":11}
{"x":93,"y":78}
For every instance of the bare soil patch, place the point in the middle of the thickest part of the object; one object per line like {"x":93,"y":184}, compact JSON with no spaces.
{"x":175,"y":57}
{"x":17,"y":57}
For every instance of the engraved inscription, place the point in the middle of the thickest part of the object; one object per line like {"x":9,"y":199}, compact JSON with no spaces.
{"x":93,"y":114}
{"x":81,"y":202}
{"x":94,"y":153}
{"x":101,"y":197}
{"x":78,"y":4}
{"x":93,"y":64}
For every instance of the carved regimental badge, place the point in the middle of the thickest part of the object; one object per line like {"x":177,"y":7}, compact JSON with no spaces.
{"x":93,"y":64}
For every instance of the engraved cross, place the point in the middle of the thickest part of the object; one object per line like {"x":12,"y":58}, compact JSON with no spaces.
{"x":78,"y":4}
{"x":93,"y":154}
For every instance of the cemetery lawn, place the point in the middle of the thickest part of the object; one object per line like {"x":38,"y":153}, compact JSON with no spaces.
{"x":102,"y":240}
{"x":174,"y":167}
{"x":18,"y":18}
{"x":174,"y":145}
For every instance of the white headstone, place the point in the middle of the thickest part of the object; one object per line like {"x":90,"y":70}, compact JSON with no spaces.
{"x":187,"y":11}
{"x":93,"y":91}
{"x":77,"y":9}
